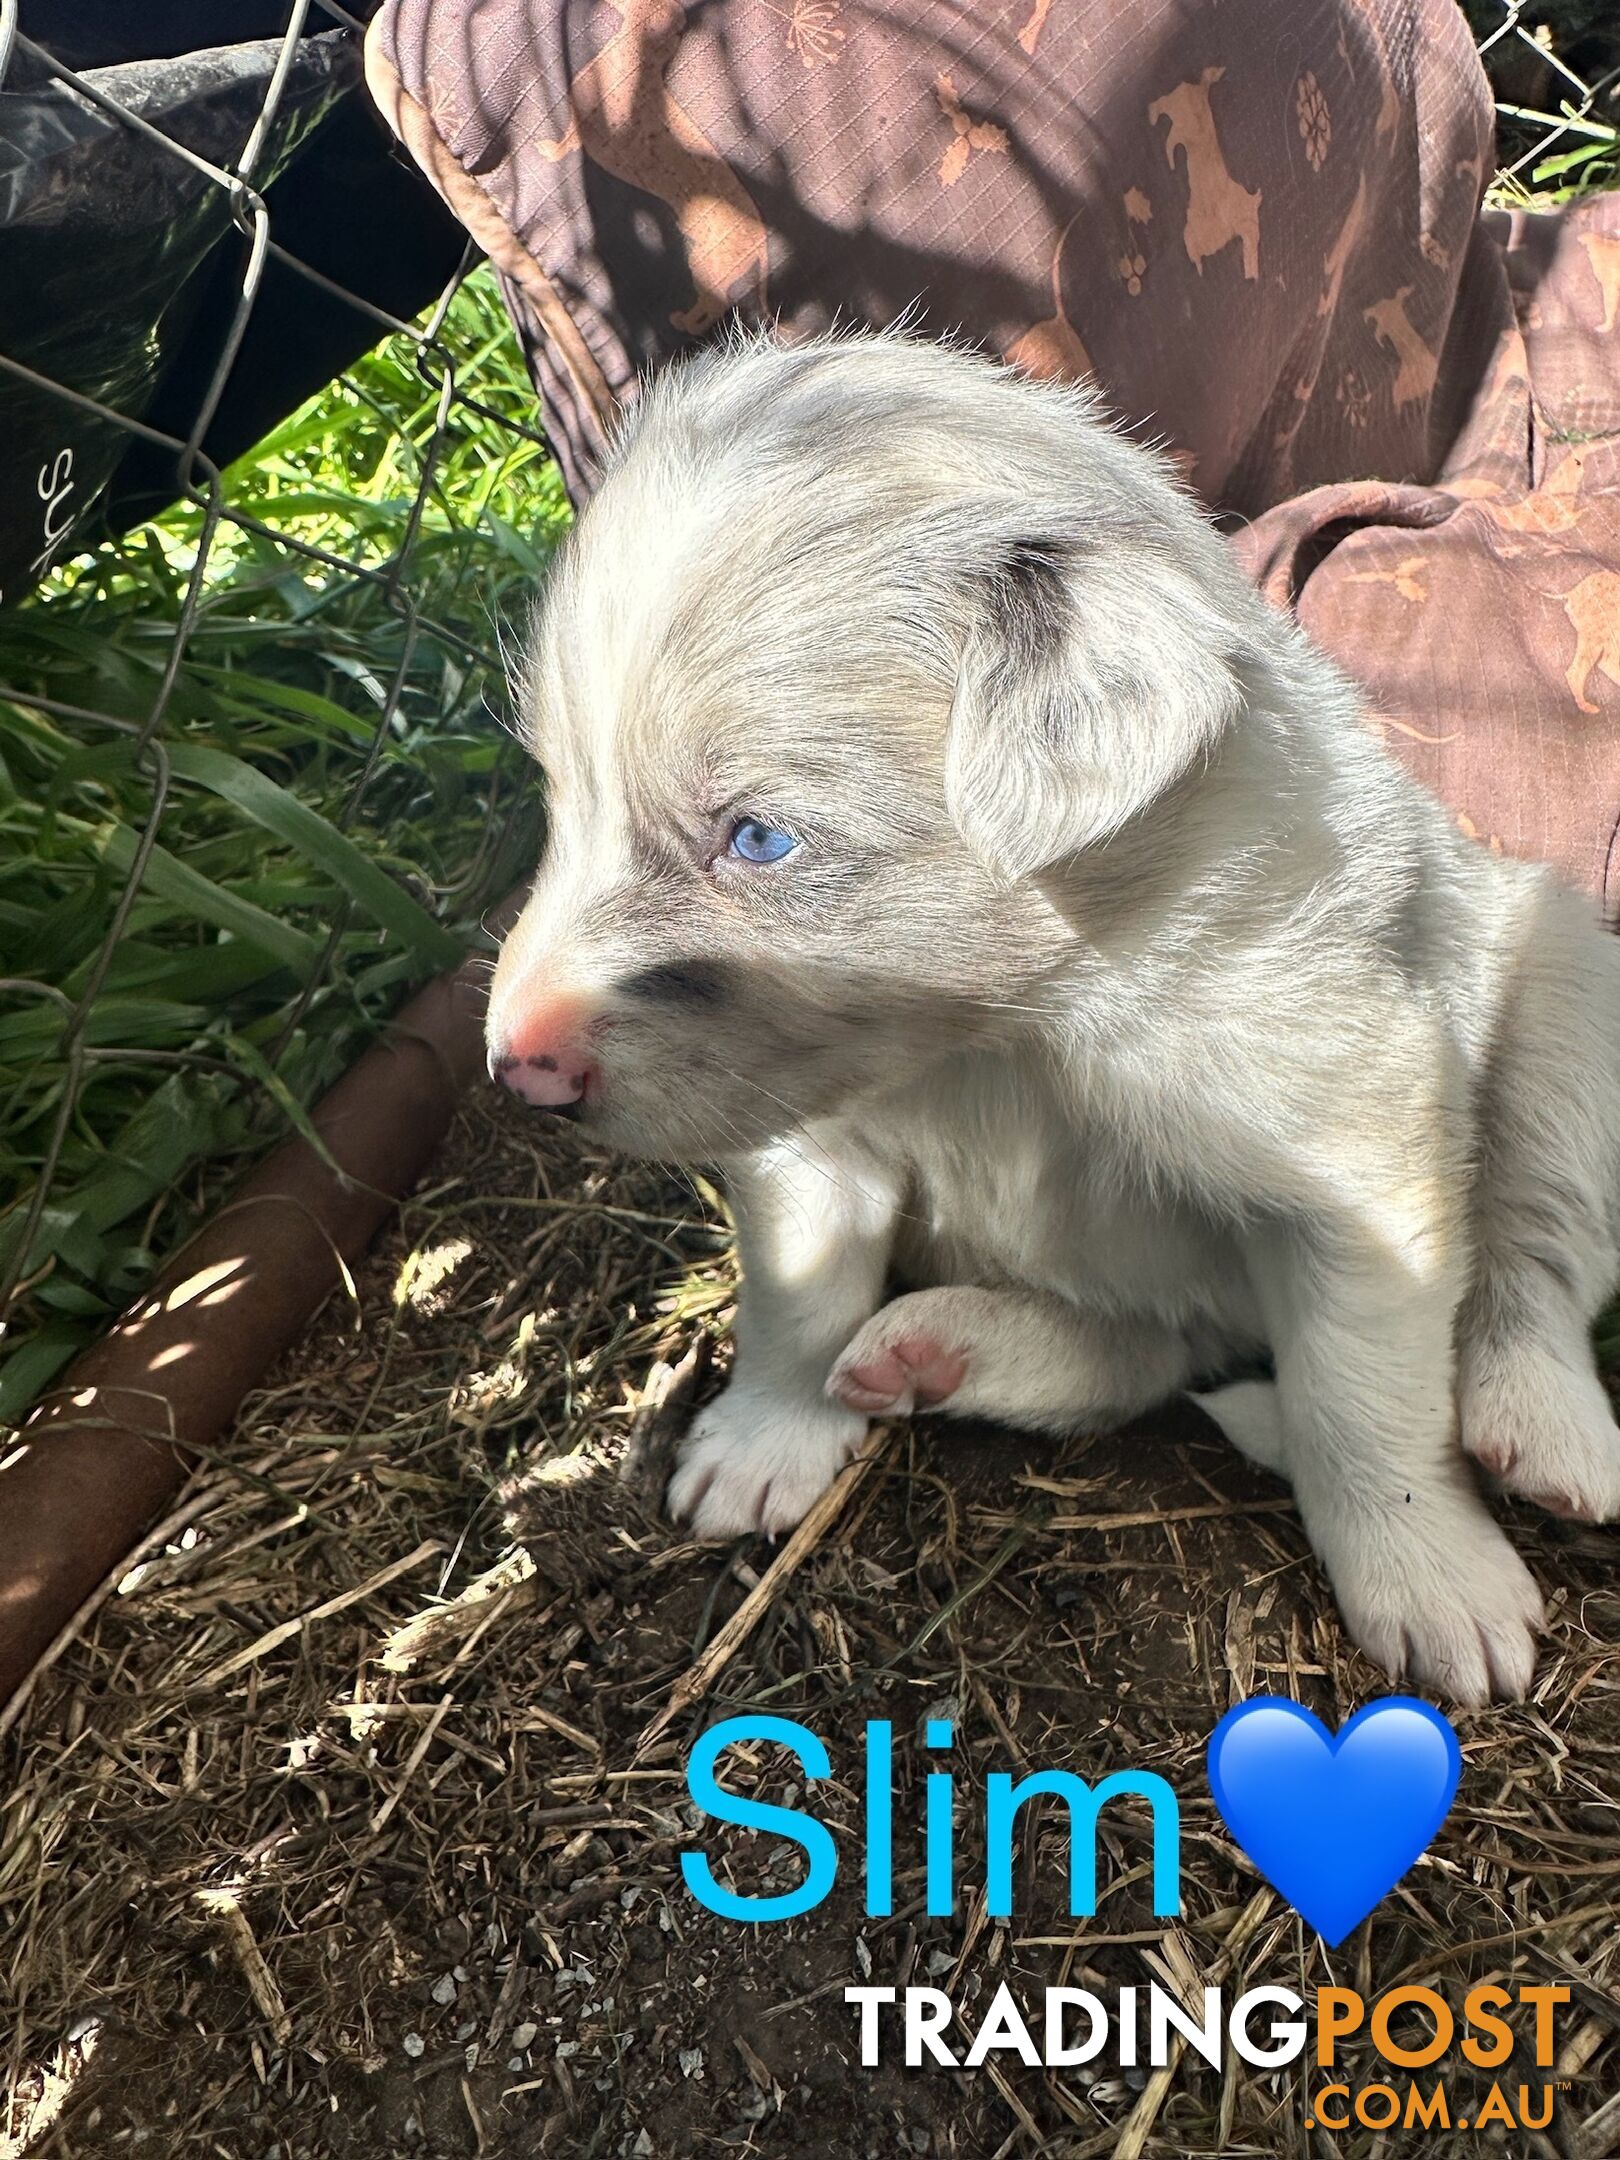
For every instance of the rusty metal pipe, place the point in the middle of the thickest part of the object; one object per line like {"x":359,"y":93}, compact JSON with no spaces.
{"x":109,"y":1445}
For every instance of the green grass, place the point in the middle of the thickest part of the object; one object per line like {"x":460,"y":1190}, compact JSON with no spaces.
{"x":1564,"y":175}
{"x":312,"y":863}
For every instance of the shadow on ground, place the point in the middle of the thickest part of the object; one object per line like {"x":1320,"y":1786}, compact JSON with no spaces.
{"x":340,"y":1833}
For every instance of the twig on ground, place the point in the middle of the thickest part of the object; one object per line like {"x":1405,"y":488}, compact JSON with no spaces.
{"x":697,"y":1680}
{"x":225,"y":1907}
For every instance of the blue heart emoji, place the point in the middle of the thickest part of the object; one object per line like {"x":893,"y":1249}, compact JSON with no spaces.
{"x":1333,"y":1821}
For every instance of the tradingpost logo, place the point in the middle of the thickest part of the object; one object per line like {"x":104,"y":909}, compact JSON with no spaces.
{"x":1332,"y":1821}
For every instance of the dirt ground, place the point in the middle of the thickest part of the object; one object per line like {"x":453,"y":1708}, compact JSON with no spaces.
{"x":351,"y":1825}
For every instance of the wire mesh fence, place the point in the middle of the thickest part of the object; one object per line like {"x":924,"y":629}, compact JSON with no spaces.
{"x":253,"y":777}
{"x":257,"y":781}
{"x":1555,"y":69}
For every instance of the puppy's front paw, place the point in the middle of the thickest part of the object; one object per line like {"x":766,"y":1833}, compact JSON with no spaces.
{"x":1450,"y":1607}
{"x":754,"y":1461}
{"x":1543,"y":1427}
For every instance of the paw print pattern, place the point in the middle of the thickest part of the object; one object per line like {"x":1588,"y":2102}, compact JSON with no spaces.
{"x":1353,"y":398}
{"x":1313,"y":119}
{"x":816,"y":33}
{"x":968,"y":134}
{"x":1131,"y":267}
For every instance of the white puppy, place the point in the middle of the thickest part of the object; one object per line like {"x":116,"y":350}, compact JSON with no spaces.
{"x":948,"y":842}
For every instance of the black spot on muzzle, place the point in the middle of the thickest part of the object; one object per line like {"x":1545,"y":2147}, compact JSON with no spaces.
{"x":693,"y":983}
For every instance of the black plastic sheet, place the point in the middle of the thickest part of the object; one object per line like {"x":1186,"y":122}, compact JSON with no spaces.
{"x":122,"y":260}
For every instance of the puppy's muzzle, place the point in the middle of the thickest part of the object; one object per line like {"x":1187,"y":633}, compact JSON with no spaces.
{"x":545,"y":1058}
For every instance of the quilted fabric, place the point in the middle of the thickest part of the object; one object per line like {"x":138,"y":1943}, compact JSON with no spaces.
{"x":1258,"y":228}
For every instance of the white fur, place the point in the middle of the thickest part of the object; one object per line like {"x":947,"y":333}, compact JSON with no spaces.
{"x":1122,"y":993}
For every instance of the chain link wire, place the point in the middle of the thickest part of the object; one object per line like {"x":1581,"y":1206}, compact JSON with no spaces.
{"x":1532,"y":134}
{"x":199,"y":482}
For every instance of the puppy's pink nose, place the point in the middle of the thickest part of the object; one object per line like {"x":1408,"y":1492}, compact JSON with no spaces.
{"x":544,"y":1059}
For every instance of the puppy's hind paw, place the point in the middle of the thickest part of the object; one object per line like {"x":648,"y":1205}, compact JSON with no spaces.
{"x":892,"y":1368}
{"x":913,"y":1374}
{"x":756,"y":1463}
{"x":1542,"y":1426}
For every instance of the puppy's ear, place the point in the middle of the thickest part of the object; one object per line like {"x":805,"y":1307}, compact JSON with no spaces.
{"x":1089,"y":682}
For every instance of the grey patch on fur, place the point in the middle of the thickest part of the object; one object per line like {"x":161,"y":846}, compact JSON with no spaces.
{"x":694,"y":982}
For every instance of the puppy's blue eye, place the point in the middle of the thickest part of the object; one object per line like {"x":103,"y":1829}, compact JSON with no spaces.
{"x":754,"y":842}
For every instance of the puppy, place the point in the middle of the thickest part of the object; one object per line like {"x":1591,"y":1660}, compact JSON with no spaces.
{"x":947,"y":842}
